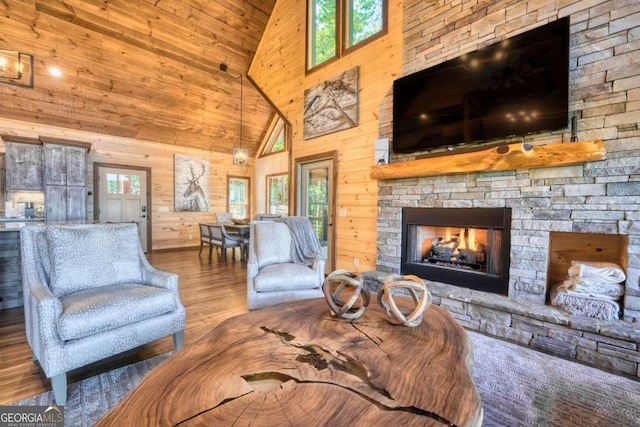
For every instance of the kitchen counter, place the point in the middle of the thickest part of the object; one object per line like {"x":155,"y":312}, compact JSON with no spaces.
{"x":12,"y":224}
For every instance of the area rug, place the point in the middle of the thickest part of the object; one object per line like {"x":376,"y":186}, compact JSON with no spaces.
{"x":518,"y":387}
{"x":523,"y":387}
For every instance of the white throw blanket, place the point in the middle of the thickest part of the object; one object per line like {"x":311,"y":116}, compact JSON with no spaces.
{"x":306,"y":247}
{"x":592,"y":287}
{"x":602,"y":271}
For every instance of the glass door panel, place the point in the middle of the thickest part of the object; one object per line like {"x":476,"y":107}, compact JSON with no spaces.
{"x":316,"y":195}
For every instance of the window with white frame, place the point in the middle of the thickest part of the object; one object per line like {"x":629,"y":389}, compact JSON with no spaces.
{"x":238,"y":201}
{"x":278,"y":194}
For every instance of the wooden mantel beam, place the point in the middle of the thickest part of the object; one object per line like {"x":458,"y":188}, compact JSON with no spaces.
{"x":497,"y":158}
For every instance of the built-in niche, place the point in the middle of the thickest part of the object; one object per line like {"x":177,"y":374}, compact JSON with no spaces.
{"x":565,"y":247}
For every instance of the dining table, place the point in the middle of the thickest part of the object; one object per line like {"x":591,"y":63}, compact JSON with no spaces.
{"x":241,"y":229}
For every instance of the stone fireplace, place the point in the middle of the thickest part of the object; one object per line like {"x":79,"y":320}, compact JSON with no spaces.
{"x":593,"y":204}
{"x":542,"y":239}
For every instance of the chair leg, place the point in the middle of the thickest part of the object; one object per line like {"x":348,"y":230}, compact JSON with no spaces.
{"x":178,"y":340}
{"x":210,"y":250}
{"x":59,"y":386}
{"x":201,"y":245}
{"x":224,"y":254}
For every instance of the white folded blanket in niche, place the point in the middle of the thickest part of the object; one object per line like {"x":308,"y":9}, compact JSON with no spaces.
{"x":595,"y":287}
{"x":603,"y":271}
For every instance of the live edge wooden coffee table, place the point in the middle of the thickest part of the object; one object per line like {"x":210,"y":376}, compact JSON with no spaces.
{"x":293,"y":364}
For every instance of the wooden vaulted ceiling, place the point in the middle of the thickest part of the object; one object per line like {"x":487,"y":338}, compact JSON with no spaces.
{"x":143,"y":69}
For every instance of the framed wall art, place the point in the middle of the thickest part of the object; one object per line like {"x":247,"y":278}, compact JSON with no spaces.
{"x":191,"y":185}
{"x":332,"y":105}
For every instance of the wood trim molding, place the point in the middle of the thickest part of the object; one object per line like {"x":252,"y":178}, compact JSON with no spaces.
{"x":20,"y":139}
{"x":61,"y":141}
{"x":500,"y":158}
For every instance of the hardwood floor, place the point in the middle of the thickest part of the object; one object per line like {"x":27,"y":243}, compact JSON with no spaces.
{"x":211,"y":292}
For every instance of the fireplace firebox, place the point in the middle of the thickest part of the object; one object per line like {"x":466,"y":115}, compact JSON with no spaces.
{"x":467,"y":247}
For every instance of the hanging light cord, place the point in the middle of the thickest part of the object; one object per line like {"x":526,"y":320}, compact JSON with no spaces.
{"x":241,"y":101}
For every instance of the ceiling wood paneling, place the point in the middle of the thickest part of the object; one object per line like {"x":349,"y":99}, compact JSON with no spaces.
{"x":142,"y":69}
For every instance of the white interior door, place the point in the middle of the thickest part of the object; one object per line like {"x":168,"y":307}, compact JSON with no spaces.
{"x":123,"y":198}
{"x":315,"y":201}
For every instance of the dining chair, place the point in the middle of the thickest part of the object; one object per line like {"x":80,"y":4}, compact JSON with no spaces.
{"x":224,"y":217}
{"x":269,"y":217}
{"x":205,"y":237}
{"x":220,"y":238}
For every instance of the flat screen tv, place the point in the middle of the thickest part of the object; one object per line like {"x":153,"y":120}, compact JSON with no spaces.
{"x":512,"y":88}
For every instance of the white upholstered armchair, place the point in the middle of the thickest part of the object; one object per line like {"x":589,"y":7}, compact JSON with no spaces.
{"x":90,"y":293}
{"x":274,"y":275}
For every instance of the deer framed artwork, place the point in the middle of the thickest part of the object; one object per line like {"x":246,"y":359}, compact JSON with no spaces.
{"x":191,"y":186}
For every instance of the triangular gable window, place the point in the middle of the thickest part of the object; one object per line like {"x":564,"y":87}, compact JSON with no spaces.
{"x":277,"y":140}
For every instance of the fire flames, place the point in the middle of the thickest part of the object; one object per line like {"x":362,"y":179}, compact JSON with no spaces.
{"x":465,"y":245}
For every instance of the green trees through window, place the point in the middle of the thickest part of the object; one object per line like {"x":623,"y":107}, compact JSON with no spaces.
{"x":364,"y":20}
{"x":333,"y":26}
{"x":276,"y":140}
{"x":278,"y":190}
{"x":324,"y":30}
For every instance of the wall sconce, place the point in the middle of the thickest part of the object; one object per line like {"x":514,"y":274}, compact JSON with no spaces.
{"x":16,"y":68}
{"x":240,"y":156}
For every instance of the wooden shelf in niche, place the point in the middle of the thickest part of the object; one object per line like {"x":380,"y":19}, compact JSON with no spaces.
{"x":496,"y":158}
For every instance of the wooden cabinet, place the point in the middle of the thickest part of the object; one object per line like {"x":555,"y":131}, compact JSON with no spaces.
{"x":65,"y":165}
{"x":10,"y":276}
{"x":65,"y":177}
{"x":65,"y":203}
{"x":23,"y":166}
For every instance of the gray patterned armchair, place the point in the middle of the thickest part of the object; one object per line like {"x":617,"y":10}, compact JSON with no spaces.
{"x":272,"y":275}
{"x":90,"y":293}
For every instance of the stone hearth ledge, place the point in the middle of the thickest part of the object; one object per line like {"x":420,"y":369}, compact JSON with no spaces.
{"x":611,"y":345}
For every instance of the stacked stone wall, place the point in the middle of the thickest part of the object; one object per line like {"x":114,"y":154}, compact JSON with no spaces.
{"x":613,"y":345}
{"x":598,"y":197}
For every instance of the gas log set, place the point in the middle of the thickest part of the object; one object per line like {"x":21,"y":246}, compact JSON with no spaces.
{"x":457,"y":251}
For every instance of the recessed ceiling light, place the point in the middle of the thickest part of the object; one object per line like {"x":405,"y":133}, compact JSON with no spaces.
{"x":55,"y":71}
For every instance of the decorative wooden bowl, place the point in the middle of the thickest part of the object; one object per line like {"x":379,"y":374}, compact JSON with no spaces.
{"x":242,"y":221}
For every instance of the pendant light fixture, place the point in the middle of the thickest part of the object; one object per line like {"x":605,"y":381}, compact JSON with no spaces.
{"x":240,"y":154}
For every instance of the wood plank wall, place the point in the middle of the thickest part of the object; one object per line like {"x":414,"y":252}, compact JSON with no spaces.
{"x":279,"y":70}
{"x":146,"y":69}
{"x":169,"y":229}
